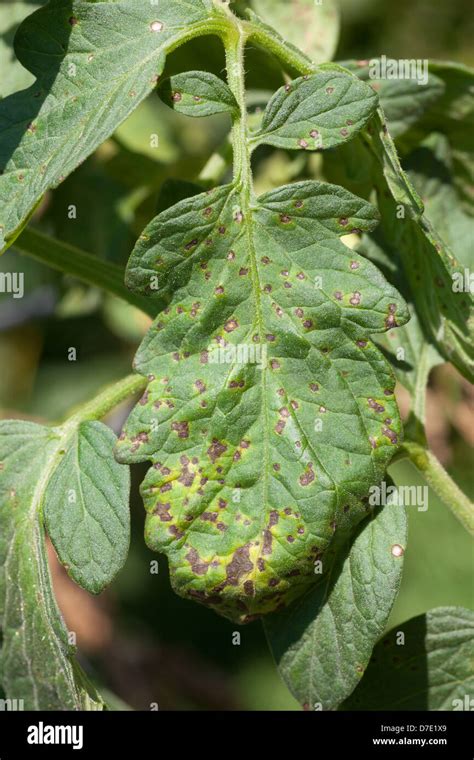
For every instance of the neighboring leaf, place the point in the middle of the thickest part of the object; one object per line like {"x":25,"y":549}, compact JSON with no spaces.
{"x":443,"y":105}
{"x":321,"y":110}
{"x":446,"y":316}
{"x":268,"y":414}
{"x":431,"y":168}
{"x":452,"y":114}
{"x":198,"y":93}
{"x":36,"y":660}
{"x":424,"y":664}
{"x":86,"y":508}
{"x":323,"y":642}
{"x":174,"y":190}
{"x":407,"y":347}
{"x":94,"y":63}
{"x":404,"y":101}
{"x":311,"y":26}
{"x":13,"y":75}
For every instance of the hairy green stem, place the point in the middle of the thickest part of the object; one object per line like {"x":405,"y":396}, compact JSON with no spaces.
{"x":234,"y":49}
{"x":439,"y":480}
{"x":87,"y":268}
{"x":107,"y":400}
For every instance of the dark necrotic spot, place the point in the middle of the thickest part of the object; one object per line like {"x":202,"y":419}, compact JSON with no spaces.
{"x":181,"y":428}
{"x":162,"y":511}
{"x":240,"y":565}
{"x":216,"y":450}
{"x":198,"y":566}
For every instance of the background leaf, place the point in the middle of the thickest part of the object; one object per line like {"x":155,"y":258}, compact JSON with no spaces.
{"x":13,"y":75}
{"x":94,"y":63}
{"x":36,"y":660}
{"x":447,"y":316}
{"x":323,"y":641}
{"x":86,"y":509}
{"x":312,"y":26}
{"x":404,"y":101}
{"x":432,"y":670}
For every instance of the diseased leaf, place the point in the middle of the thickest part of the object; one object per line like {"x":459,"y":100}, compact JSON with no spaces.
{"x":198,"y":93}
{"x":13,"y":75}
{"x":323,"y":641}
{"x":86,"y":509}
{"x":424,"y":664}
{"x":36,"y":660}
{"x":321,"y":110}
{"x":268,"y":413}
{"x":312,"y":26}
{"x":94,"y":63}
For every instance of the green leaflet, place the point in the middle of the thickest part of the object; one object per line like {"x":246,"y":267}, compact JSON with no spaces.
{"x":268,"y":412}
{"x":94,"y":63}
{"x":323,"y":642}
{"x":36,"y":660}
{"x":86,"y":508}
{"x":313,"y":27}
{"x":424,"y":664}
{"x":404,"y":101}
{"x":432,"y":169}
{"x":446,"y":315}
{"x":198,"y":93}
{"x":407,"y":348}
{"x":317,"y":111}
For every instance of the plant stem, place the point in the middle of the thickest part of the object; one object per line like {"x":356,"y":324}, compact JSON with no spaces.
{"x":234,"y":50}
{"x":289,"y":55}
{"x":87,"y":268}
{"x":439,"y":480}
{"x":107,"y":400}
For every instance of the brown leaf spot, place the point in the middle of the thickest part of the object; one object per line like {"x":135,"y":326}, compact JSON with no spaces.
{"x":240,"y":565}
{"x":307,"y":476}
{"x":356,"y":298}
{"x":163,"y":512}
{"x":390,"y":434}
{"x":181,"y":428}
{"x":231,"y":325}
{"x":375,"y":405}
{"x":249,"y":588}
{"x":198,"y":566}
{"x":216,"y":450}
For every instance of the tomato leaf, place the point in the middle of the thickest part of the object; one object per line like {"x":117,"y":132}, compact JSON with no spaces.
{"x":447,"y":316}
{"x":404,"y":101}
{"x":94,"y":63}
{"x":269,"y":413}
{"x":312,"y":26}
{"x":317,"y":111}
{"x":36,"y":660}
{"x":425,"y":664}
{"x":86,"y":509}
{"x":14,"y":75}
{"x":198,"y":93}
{"x":322,"y":643}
